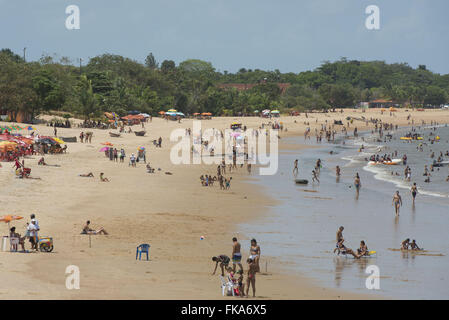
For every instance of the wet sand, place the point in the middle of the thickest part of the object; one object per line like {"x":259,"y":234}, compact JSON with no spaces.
{"x":170,"y":212}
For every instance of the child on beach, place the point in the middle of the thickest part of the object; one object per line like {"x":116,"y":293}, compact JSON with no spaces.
{"x":251,"y":279}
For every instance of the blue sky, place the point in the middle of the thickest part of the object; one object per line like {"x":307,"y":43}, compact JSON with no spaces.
{"x":289,"y":35}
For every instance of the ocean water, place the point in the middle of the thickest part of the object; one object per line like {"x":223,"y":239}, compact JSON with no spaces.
{"x":300,"y":231}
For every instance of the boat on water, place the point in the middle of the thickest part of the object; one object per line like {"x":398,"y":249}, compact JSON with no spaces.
{"x":393,"y":162}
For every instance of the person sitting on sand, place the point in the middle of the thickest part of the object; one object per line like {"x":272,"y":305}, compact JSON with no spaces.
{"x":414,"y":245}
{"x":14,"y":234}
{"x":223,"y":260}
{"x":41,"y":162}
{"x":89,"y":175}
{"x":405,"y":244}
{"x":363,"y":250}
{"x":149,"y":169}
{"x":88,"y":230}
{"x":102,"y":178}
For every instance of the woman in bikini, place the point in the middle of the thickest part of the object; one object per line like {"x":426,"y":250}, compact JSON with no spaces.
{"x":397,"y":202}
{"x":251,"y":279}
{"x":254,"y":254}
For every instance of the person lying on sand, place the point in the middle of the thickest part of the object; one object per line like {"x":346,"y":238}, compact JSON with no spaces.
{"x":89,"y":175}
{"x":88,"y":230}
{"x":414,"y":245}
{"x":223,"y":260}
{"x":102,"y":178}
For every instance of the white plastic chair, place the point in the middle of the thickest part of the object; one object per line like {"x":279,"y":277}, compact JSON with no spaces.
{"x":226,"y":285}
{"x":14,"y":244}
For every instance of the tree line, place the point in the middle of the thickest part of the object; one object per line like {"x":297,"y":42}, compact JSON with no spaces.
{"x":114,"y":83}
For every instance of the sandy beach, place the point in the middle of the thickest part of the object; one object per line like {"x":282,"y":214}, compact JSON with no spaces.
{"x":170,"y":212}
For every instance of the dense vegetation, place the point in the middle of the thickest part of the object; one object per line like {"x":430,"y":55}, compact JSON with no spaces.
{"x":115,"y":83}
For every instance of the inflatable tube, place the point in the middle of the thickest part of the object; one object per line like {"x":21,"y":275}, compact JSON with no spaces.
{"x":301,"y":181}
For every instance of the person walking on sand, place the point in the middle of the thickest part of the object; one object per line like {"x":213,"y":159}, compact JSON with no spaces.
{"x":397,"y":202}
{"x":236,"y":255}
{"x":414,"y":191}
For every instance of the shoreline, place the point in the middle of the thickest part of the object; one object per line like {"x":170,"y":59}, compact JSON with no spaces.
{"x":169,"y":212}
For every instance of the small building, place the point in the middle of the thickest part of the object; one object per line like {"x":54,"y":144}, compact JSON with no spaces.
{"x":381,"y":103}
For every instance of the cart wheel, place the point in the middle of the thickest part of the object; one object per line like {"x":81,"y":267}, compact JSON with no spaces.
{"x":42,"y":248}
{"x":49,"y":249}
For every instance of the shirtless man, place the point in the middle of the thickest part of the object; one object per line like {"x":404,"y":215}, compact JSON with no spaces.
{"x":223,"y":260}
{"x":340,"y":238}
{"x":236,"y":255}
{"x":89,"y":175}
{"x":414,"y":191}
{"x":397,"y":202}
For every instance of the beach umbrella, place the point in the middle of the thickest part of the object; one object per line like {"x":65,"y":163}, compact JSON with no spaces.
{"x":141,"y":148}
{"x":107,"y":144}
{"x":8,"y":218}
{"x":275,"y":111}
{"x":180,"y":114}
{"x":256,"y":111}
{"x":172,"y":110}
{"x":235,"y":134}
{"x":172,"y":114}
{"x":103,"y":149}
{"x":161,"y":112}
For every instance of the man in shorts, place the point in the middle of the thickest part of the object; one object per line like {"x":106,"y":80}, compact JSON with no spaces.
{"x":236,"y":255}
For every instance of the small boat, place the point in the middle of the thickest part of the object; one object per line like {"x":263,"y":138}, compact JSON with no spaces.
{"x":140,"y":133}
{"x":301,"y":181}
{"x":387,"y":163}
{"x":441,"y":164}
{"x":114,"y":135}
